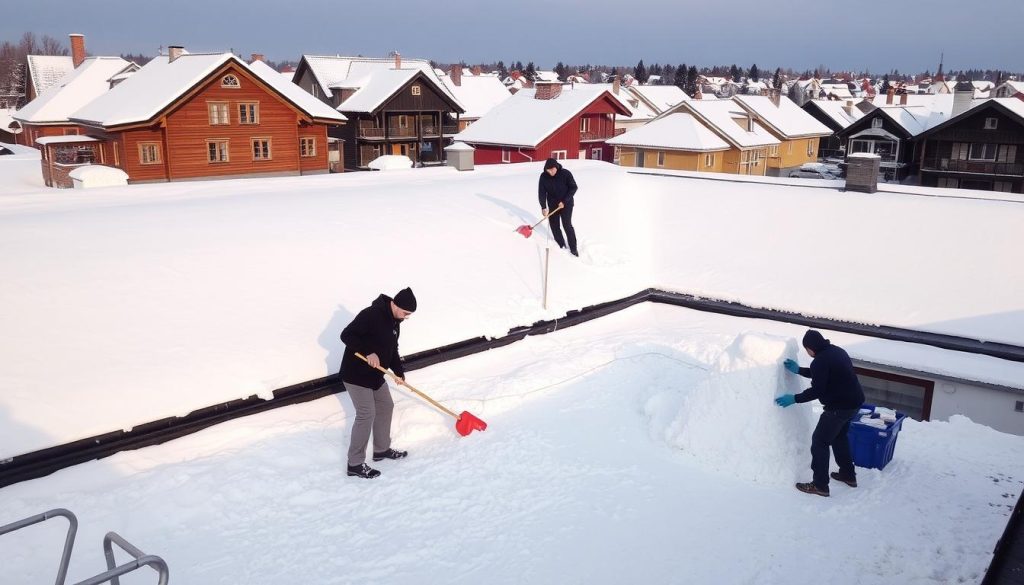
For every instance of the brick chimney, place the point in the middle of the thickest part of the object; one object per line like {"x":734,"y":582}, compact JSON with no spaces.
{"x":548,"y":90}
{"x":903,"y":99}
{"x":77,"y":49}
{"x":173,"y":52}
{"x":698,"y":95}
{"x":477,"y":70}
{"x":398,"y":60}
{"x":256,"y":57}
{"x":888,"y":96}
{"x":455,"y":73}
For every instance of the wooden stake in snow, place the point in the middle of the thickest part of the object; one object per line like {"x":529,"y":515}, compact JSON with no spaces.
{"x":547,"y":258}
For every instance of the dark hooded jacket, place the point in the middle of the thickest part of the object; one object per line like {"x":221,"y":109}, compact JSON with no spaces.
{"x":833,"y":380}
{"x":557,"y":189}
{"x":374,"y":330}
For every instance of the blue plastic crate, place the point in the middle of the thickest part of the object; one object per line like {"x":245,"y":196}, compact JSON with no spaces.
{"x":873,"y":447}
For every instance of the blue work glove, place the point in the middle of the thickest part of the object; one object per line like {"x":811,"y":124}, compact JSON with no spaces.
{"x":785,"y":400}
{"x":792,"y":366}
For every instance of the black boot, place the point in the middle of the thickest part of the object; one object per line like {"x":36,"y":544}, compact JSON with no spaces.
{"x":850,"y":481}
{"x":390,"y":454}
{"x":364,"y":471}
{"x":810,"y":488}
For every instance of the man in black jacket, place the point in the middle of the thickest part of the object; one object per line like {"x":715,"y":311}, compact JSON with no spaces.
{"x":557,"y":185}
{"x":374,"y":334}
{"x":835,"y":384}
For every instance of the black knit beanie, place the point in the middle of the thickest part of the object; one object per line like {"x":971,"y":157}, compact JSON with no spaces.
{"x":406,"y":300}
{"x":814,"y":341}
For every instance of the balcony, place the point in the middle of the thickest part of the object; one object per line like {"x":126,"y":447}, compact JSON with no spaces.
{"x":401,"y":132}
{"x":449,"y":129}
{"x":977,"y":167}
{"x":593,"y":136}
{"x":371,"y":133}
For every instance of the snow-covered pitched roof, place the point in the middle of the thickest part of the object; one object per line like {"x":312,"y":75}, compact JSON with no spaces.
{"x":787,"y":119}
{"x":524,"y":121}
{"x":728,"y":119}
{"x":6,"y":120}
{"x":915,"y":119}
{"x":662,"y":97}
{"x":161,"y":82}
{"x":477,"y":93}
{"x":678,"y":131}
{"x":295,"y":94}
{"x":89,"y":81}
{"x":374,"y":79}
{"x":45,"y":71}
{"x":837,"y":111}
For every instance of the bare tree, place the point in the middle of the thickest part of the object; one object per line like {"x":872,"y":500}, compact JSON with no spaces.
{"x":52,"y":46}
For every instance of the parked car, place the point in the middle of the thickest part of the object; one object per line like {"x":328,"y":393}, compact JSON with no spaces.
{"x":816,"y":171}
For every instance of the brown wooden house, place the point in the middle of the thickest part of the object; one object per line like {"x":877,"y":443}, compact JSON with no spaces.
{"x":190,"y":116}
{"x":392,"y":107}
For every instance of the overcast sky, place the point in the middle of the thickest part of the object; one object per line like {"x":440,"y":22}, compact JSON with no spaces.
{"x":877,"y":35}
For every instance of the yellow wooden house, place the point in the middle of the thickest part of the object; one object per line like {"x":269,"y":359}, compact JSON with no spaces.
{"x":798,"y":132}
{"x":677,"y":141}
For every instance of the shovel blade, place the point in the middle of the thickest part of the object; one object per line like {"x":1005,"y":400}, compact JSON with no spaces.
{"x":468,"y":423}
{"x":525,"y":231}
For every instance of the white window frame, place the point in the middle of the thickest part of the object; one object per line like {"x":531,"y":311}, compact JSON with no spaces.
{"x":985,"y":147}
{"x":991,"y":123}
{"x":307,"y":146}
{"x":709,"y":160}
{"x":219,"y":113}
{"x":559,"y":154}
{"x":506,"y":155}
{"x":810,"y":147}
{"x":877,"y":122}
{"x":661,"y":158}
{"x":252,"y":112}
{"x":584,"y":124}
{"x":773,"y":150}
{"x":595,"y":154}
{"x":416,"y":90}
{"x":222,"y":155}
{"x":230,"y":81}
{"x":616,"y":155}
{"x":146,"y":160}
{"x":267,"y":148}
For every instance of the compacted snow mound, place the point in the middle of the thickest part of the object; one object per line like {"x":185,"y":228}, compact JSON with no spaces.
{"x":730,"y":422}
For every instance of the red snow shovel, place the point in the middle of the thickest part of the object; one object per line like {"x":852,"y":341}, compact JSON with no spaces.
{"x":465,"y":423}
{"x":527,"y":230}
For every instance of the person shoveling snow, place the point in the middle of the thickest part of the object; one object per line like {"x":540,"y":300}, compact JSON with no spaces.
{"x":835,"y":384}
{"x":556,"y":189}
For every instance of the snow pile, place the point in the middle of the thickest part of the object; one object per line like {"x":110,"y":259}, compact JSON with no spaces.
{"x":390,"y":162}
{"x":91,"y":176}
{"x":729,"y":422}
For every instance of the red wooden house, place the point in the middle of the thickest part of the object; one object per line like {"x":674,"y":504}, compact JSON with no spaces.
{"x":189,"y":116}
{"x":551,"y":120}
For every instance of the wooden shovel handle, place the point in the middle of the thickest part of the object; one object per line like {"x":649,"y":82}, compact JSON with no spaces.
{"x":549,"y":214}
{"x":410,"y":387}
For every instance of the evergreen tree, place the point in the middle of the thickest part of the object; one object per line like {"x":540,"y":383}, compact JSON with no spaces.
{"x":755,"y":75}
{"x":518,"y":66}
{"x":777,"y":80}
{"x":502,"y":71}
{"x":560,"y":70}
{"x":885,"y":84}
{"x":691,"y":80}
{"x":531,"y":72}
{"x":640,"y":72}
{"x":734,"y":73}
{"x":680,"y":77}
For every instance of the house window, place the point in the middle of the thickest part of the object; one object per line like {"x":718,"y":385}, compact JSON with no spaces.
{"x":911,"y":396}
{"x":876,"y":123}
{"x":506,"y":155}
{"x":948,"y":183}
{"x":584,"y":124}
{"x":307,"y":147}
{"x":218,"y":114}
{"x":789,"y":147}
{"x":149,"y":153}
{"x":229,"y":81}
{"x":249,"y":113}
{"x":982,"y":151}
{"x":403,"y":121}
{"x":991,"y":123}
{"x":595,"y":154}
{"x":640,"y":156}
{"x":70,"y":131}
{"x":616,"y":154}
{"x":709,"y":160}
{"x":1003,"y":186}
{"x":559,"y":154}
{"x":1019,"y":407}
{"x":773,"y":150}
{"x":1007,"y":153}
{"x":315,"y":90}
{"x":661,"y":158}
{"x":260,"y":149}
{"x":810,"y":147}
{"x":217,"y":151}
{"x":415,"y":90}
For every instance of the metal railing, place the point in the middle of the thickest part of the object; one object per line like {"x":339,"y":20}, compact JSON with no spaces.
{"x":114,"y":571}
{"x":973,"y":166}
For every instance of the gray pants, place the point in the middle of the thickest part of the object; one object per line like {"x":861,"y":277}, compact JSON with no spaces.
{"x":373,"y":412}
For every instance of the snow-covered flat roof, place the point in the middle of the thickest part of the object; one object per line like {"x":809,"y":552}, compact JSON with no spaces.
{"x":723,"y":116}
{"x":677,"y":131}
{"x":69,"y":139}
{"x":80,"y":87}
{"x":525,"y":121}
{"x":788,"y":119}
